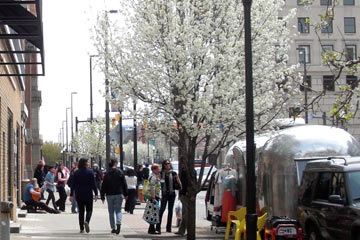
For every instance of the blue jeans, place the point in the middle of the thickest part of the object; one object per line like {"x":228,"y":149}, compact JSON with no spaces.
{"x":114,"y":206}
{"x":74,"y":205}
{"x":166,"y":199}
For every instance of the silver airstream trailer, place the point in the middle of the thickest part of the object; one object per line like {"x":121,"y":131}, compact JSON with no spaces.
{"x":281,"y":157}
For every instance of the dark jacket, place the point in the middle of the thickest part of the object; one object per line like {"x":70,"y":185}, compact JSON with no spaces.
{"x":83,"y":184}
{"x":40,"y":176}
{"x":114,"y":183}
{"x":145,"y":173}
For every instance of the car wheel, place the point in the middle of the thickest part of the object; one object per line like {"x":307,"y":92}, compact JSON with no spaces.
{"x":314,"y":234}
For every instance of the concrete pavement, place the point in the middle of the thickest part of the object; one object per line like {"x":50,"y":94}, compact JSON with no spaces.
{"x":42,"y":226}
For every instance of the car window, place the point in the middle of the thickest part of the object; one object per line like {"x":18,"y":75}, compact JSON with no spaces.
{"x":353,"y":179}
{"x":323,"y":186}
{"x":337,"y":186}
{"x":306,"y":190}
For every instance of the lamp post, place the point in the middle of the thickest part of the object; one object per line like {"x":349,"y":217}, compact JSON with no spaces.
{"x":63,"y":140}
{"x":121,"y":142}
{"x":302,"y":51}
{"x":67,"y":133}
{"x":135,"y":140}
{"x":107,"y":117}
{"x":251,"y":217}
{"x":91,"y":96}
{"x":72,"y":129}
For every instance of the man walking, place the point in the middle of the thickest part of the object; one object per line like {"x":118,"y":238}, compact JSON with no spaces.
{"x":74,"y":167}
{"x":83,"y":186}
{"x":115,"y":188}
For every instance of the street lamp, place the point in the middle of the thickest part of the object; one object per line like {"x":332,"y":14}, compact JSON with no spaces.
{"x":72,"y":131}
{"x":302,"y":51}
{"x":91,"y":97}
{"x":67,"y":138}
{"x":251,"y":217}
{"x":107,"y":117}
{"x":63,"y":140}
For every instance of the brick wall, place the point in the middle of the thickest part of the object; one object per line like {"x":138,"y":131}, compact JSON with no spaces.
{"x":11,"y":97}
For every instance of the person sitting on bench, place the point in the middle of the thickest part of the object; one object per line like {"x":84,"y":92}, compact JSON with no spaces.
{"x":31,"y":197}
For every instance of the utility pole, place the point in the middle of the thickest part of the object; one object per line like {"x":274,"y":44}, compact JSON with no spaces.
{"x":251,"y":217}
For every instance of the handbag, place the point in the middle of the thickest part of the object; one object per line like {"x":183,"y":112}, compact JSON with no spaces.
{"x":151,"y":213}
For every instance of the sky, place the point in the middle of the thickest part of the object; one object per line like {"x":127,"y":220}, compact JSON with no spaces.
{"x":67,"y":43}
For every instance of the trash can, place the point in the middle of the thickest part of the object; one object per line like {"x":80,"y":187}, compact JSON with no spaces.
{"x":24,"y":183}
{"x":5,"y":210}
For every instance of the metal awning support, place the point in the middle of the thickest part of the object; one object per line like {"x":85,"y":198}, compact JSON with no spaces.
{"x":23,"y":24}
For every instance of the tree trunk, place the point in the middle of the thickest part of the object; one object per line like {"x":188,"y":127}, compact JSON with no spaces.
{"x":187,"y":147}
{"x":191,"y":221}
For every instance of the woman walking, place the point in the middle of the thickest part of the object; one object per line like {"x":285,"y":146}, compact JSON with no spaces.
{"x":50,"y":186}
{"x":131,"y":180}
{"x":169,"y":183}
{"x":83,"y":185}
{"x":61,"y":176}
{"x":114,"y":188}
{"x":154,"y":181}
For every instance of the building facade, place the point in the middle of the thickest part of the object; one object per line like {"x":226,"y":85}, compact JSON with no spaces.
{"x":21,"y":52}
{"x":13,"y":114}
{"x":341,"y":35}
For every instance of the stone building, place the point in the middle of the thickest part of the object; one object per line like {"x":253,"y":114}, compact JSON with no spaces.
{"x":342,"y":35}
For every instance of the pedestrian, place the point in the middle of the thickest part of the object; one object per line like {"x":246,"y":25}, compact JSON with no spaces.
{"x":154,"y":181}
{"x":97,"y":174}
{"x":169,"y":183}
{"x":114,"y":187}
{"x":50,"y":186}
{"x":131,"y":181}
{"x":39,"y":174}
{"x":61,"y":178}
{"x":146,"y":171}
{"x":74,"y":167}
{"x":185,"y":200}
{"x":30,"y":196}
{"x":83,"y":186}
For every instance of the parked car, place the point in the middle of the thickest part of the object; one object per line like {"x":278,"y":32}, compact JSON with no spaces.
{"x":204,"y":184}
{"x":329,"y":199}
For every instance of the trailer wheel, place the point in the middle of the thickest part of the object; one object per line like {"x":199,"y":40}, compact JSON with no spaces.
{"x":314,"y":234}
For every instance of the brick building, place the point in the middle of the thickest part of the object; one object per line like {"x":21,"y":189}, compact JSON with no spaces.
{"x":21,"y":47}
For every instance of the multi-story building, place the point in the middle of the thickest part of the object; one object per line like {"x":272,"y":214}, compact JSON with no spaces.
{"x":20,"y":28}
{"x":342,"y":35}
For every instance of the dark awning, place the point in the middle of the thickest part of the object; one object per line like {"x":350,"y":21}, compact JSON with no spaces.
{"x":23,"y":24}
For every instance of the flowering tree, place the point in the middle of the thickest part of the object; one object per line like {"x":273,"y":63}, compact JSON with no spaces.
{"x":184,"y":61}
{"x":89,"y":141}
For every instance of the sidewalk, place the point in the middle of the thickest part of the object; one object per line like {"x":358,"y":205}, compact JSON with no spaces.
{"x":42,"y":226}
